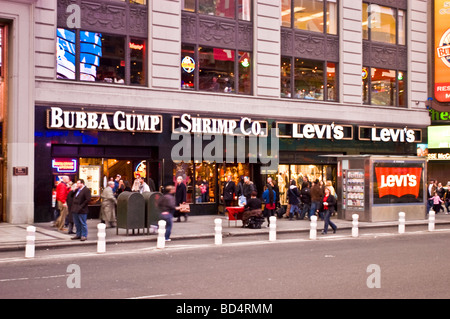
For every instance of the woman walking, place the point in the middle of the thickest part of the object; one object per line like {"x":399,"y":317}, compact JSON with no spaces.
{"x":328,"y":205}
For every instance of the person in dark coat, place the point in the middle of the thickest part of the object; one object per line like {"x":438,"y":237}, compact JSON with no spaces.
{"x":305,"y":198}
{"x":80,"y":210}
{"x":294,"y":200}
{"x":180,"y":197}
{"x":229,"y":191}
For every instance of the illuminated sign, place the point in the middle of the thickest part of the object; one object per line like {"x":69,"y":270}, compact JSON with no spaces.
{"x":439,"y":136}
{"x":188,"y":64}
{"x":246,"y":126}
{"x":65,"y":165}
{"x":442,"y":50}
{"x":122,"y":121}
{"x":398,"y":181}
{"x":135,"y":46}
{"x":141,"y":170}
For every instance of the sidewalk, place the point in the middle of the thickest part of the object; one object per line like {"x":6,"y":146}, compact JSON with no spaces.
{"x":13,"y":237}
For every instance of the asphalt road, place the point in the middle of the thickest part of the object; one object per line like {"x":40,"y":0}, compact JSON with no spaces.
{"x":415,"y":265}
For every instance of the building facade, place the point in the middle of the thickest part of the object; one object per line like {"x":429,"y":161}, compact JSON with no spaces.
{"x":96,"y":88}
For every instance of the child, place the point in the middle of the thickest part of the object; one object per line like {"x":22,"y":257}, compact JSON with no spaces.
{"x":437,"y":201}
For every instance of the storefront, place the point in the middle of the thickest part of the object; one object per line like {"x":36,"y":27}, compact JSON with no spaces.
{"x":98,"y":145}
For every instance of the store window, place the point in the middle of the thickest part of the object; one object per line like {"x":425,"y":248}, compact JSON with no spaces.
{"x":310,"y":15}
{"x":200,"y":180}
{"x":301,"y":173}
{"x":384,"y":24}
{"x":384,"y":87}
{"x":225,"y":8}
{"x":108,"y":46}
{"x":102,"y":57}
{"x":216,"y":70}
{"x":308,"y":79}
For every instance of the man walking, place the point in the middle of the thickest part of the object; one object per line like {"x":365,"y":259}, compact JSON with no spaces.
{"x":80,"y":210}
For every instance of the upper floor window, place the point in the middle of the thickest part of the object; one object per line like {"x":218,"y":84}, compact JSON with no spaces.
{"x":108,"y":44}
{"x":241,"y":9}
{"x":310,"y":15}
{"x":384,"y":24}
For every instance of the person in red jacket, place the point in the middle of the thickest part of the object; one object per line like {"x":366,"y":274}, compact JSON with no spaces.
{"x":62,"y":190}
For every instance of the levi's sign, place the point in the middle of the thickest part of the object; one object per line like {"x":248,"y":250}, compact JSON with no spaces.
{"x":398,"y":181}
{"x":58,"y":118}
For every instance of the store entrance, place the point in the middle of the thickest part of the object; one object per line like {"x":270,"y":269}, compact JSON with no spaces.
{"x":3,"y":113}
{"x":287,"y":172}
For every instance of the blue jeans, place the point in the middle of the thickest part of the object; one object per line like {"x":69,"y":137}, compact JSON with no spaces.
{"x":327,"y":221}
{"x":294,"y":209}
{"x":80,"y":221}
{"x":314,"y":207}
{"x":169,"y":223}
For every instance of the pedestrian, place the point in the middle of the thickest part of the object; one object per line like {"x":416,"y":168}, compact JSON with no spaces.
{"x":80,"y":210}
{"x":447,"y":198}
{"x":108,"y":208}
{"x":305,"y":198}
{"x":316,"y":198}
{"x":269,"y":197}
{"x":116,"y":183}
{"x":143,"y":187}
{"x":437,"y":202}
{"x":229,"y":191}
{"x":294,"y":200}
{"x":166,"y":205}
{"x":62,"y":190}
{"x":180,"y":198}
{"x":328,"y":205}
{"x":248,"y":188}
{"x":252,"y":209}
{"x":70,"y":196}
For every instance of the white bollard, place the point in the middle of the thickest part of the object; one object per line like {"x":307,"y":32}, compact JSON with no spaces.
{"x":431,"y":220}
{"x":313,"y":230}
{"x":101,"y":238}
{"x":355,"y":222}
{"x":273,"y":228}
{"x":161,"y":241}
{"x":401,"y":222}
{"x":218,"y":231}
{"x":31,"y":237}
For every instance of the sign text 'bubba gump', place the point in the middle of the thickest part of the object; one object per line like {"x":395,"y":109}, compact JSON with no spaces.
{"x":58,"y":118}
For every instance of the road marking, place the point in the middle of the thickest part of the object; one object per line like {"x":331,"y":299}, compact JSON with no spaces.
{"x":34,"y":278}
{"x":155,"y":296}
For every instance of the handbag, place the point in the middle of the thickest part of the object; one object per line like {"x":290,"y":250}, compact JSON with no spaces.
{"x":242,"y":200}
{"x":185,"y":208}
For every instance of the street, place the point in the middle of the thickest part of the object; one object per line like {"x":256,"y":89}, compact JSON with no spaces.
{"x":413,"y":265}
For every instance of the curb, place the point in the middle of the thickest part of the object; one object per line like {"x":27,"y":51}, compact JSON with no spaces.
{"x":55,"y":244}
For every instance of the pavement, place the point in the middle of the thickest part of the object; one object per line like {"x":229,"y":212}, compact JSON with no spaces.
{"x":13,"y":236}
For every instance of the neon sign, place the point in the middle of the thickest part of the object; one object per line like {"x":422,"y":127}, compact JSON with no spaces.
{"x":188,"y":64}
{"x":64,"y":165}
{"x":135,"y":46}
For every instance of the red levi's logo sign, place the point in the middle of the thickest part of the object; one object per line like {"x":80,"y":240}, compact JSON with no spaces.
{"x":398,"y":181}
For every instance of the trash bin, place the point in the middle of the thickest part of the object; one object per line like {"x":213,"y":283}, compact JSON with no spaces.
{"x":151,"y":209}
{"x":130,"y":211}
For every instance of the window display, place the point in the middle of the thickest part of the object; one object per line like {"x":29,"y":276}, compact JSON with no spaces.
{"x":309,"y":78}
{"x":300,"y":174}
{"x":387,"y":25}
{"x":216,"y":70}
{"x":353,"y":190}
{"x":224,"y":8}
{"x":387,"y":87}
{"x":310,"y":15}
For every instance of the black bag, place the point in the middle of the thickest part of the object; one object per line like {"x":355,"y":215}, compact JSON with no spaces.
{"x":280,"y":212}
